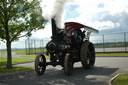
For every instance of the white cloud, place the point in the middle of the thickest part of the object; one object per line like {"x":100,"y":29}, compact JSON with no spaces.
{"x":89,"y":9}
{"x":106,"y":25}
{"x":43,"y":33}
{"x":91,"y":6}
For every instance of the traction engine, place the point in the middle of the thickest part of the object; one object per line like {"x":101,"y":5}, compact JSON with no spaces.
{"x":68,"y":46}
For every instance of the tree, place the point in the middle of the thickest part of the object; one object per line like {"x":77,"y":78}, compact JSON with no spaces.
{"x":18,"y":18}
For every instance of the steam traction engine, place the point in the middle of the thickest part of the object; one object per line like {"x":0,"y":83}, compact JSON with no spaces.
{"x":68,"y":46}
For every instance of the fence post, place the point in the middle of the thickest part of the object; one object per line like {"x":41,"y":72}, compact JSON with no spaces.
{"x":30,"y":43}
{"x":42,"y":46}
{"x":125,"y":40}
{"x":26,"y":46}
{"x":31,"y":46}
{"x":103,"y":44}
{"x":35,"y":45}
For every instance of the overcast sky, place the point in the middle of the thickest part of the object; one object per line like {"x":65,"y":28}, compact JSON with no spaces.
{"x":108,"y":16}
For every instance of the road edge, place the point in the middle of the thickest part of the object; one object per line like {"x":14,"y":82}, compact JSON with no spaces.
{"x":110,"y":81}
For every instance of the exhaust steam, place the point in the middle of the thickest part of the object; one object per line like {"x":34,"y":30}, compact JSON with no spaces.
{"x":54,"y":9}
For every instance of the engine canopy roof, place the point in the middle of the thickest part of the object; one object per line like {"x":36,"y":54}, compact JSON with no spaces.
{"x":71,"y":26}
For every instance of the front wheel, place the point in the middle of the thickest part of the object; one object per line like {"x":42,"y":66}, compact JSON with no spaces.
{"x":68,"y":64}
{"x":40,"y":64}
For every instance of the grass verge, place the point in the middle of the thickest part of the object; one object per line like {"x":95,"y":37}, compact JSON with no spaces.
{"x":30,"y":56}
{"x":3,"y":61}
{"x":23,"y":52}
{"x":33,"y":56}
{"x":3,"y":69}
{"x":122,"y":79}
{"x":19,"y":52}
{"x":112,"y":54}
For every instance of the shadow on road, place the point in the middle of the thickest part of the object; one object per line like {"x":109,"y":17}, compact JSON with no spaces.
{"x":53,"y":76}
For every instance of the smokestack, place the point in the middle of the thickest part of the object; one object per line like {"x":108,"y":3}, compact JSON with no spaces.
{"x":53,"y":27}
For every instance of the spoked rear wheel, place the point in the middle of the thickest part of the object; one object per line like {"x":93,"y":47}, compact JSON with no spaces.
{"x":68,"y":64}
{"x":87,"y":55}
{"x":40,"y":64}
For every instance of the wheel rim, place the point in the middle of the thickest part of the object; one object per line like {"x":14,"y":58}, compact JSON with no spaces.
{"x":40,"y":64}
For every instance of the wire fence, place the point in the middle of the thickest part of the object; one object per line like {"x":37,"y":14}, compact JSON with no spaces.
{"x":116,"y":42}
{"x":34,"y":46}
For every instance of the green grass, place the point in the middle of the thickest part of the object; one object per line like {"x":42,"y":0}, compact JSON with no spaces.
{"x":3,"y":61}
{"x":2,"y":52}
{"x":110,"y":45}
{"x":37,"y":50}
{"x":34,"y":56}
{"x":47,"y":57}
{"x":121,"y":80}
{"x":23,"y":52}
{"x":20,"y":52}
{"x":112,"y":54}
{"x":30,"y":56}
{"x":3,"y":69}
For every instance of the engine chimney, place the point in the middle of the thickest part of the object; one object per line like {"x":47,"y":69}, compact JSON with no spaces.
{"x":53,"y":27}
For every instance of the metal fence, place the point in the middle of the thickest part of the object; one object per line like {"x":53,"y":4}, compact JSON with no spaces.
{"x":34,"y":46}
{"x":115,"y":42}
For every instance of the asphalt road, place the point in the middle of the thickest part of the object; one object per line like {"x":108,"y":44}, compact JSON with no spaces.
{"x":104,"y":69}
